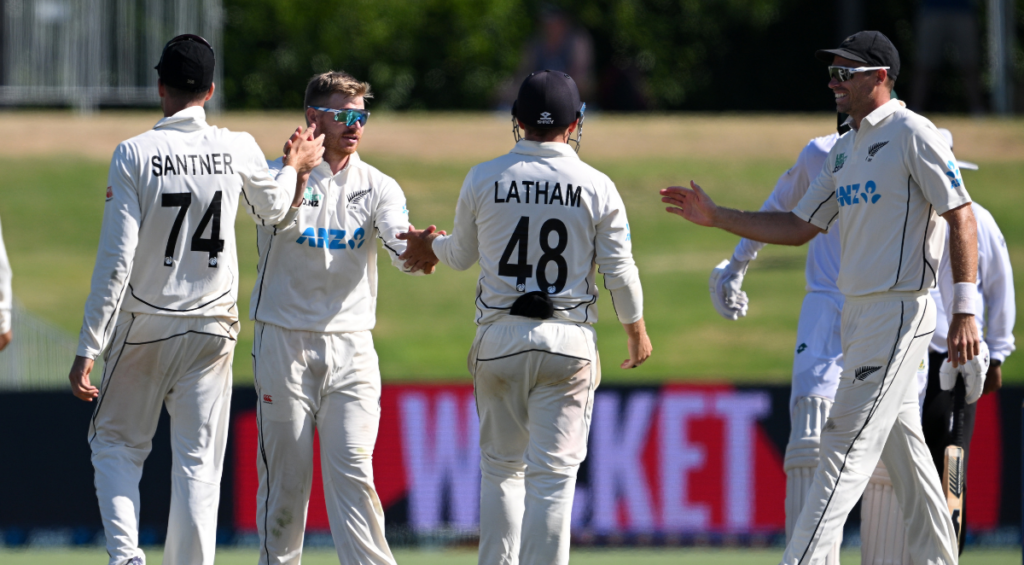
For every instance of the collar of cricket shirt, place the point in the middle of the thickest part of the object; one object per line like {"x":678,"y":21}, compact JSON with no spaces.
{"x":884,"y":111}
{"x":544,"y":149}
{"x":324,"y":168}
{"x":190,"y":119}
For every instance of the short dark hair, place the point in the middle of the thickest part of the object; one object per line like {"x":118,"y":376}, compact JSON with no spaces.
{"x":323,"y":85}
{"x":543,"y":131}
{"x":181,"y":96}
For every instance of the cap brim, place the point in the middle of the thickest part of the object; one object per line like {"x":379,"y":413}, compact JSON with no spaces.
{"x":826,"y":55}
{"x":967,"y":165}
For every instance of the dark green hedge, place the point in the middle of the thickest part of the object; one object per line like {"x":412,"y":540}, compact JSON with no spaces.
{"x":453,"y":54}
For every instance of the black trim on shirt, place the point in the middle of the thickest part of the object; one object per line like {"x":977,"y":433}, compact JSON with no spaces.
{"x":173,"y":310}
{"x":811,"y":217}
{"x":906,"y":218}
{"x":924,"y":251}
{"x":177,"y":335}
{"x":246,"y":196}
{"x":113,"y":315}
{"x":263,"y":273}
{"x":532,"y":350}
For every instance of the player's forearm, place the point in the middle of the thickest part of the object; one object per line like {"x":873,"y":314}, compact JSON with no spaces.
{"x":747,"y":249}
{"x":636,"y":329}
{"x":963,"y":244}
{"x":627,"y":298}
{"x":781,"y":228}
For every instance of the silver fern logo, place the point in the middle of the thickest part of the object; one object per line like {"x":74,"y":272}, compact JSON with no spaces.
{"x":875,"y":148}
{"x":864,"y":372}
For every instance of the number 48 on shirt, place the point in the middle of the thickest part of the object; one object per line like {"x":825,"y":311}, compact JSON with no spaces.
{"x":522,"y":270}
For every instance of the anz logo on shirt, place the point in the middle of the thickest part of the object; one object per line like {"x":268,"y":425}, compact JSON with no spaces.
{"x":332,"y":239}
{"x":855,"y":194}
{"x":954,"y":174}
{"x":310,"y":199}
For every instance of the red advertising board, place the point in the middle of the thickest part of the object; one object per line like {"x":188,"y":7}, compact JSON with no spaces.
{"x":678,"y":459}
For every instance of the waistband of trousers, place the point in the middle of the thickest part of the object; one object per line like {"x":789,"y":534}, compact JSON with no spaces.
{"x":891,"y":296}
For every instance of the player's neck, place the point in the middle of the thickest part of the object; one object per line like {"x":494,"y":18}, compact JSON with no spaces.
{"x":874,"y":103}
{"x":337,"y":161}
{"x":170,"y":108}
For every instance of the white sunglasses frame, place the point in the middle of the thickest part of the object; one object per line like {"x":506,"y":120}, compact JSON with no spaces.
{"x":854,"y":70}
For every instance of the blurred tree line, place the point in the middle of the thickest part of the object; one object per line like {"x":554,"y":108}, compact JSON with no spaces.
{"x":456,"y":54}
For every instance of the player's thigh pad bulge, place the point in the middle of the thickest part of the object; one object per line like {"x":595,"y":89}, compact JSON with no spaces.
{"x":499,"y":350}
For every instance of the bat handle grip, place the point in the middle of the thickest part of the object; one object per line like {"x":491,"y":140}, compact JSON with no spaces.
{"x":959,"y":400}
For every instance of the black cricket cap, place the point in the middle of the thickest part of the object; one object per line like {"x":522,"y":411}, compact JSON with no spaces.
{"x":187,"y":63}
{"x":872,"y":48}
{"x":548,"y":99}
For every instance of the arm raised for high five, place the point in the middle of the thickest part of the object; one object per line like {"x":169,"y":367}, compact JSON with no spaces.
{"x":693,"y":204}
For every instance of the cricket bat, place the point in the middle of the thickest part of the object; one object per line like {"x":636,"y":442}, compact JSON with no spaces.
{"x":953,"y":474}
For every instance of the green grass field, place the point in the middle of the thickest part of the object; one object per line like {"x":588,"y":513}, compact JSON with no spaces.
{"x":464,"y":557}
{"x":51,"y":212}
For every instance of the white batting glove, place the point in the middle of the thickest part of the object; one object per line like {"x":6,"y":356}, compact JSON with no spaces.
{"x":724,"y":285}
{"x":974,"y":372}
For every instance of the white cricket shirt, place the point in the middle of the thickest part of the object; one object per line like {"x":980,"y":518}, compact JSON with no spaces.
{"x":886,"y":183}
{"x":996,"y":310}
{"x":822,"y":267}
{"x":167,"y":245}
{"x":6,"y":297}
{"x":318,"y":268}
{"x":539,"y":218}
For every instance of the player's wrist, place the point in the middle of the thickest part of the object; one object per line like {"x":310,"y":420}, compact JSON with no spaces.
{"x":965,"y":296}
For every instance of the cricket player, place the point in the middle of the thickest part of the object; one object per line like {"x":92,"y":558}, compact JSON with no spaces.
{"x":162,"y":308}
{"x":882,"y":535}
{"x":314,"y":304}
{"x":889,"y":256}
{"x":541,"y":223}
{"x":6,"y":297}
{"x":817,"y":359}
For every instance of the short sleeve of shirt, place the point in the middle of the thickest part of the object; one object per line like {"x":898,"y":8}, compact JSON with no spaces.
{"x":819,"y":206}
{"x":931,"y":163}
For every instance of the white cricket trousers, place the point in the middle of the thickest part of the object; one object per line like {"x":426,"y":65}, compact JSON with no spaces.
{"x":328,"y":382}
{"x":183,"y":363}
{"x":875,"y":416}
{"x":534,"y":385}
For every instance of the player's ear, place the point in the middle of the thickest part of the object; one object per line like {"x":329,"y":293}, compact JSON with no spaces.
{"x":209,"y":94}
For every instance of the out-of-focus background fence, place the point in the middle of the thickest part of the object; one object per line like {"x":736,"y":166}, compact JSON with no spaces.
{"x":88,"y":53}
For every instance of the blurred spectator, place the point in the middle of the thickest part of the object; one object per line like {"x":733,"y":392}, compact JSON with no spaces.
{"x":947,"y":26}
{"x":560,"y":45}
{"x":622,"y":87}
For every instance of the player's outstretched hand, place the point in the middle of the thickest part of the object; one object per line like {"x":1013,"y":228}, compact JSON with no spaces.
{"x":691,"y":203}
{"x":419,"y":253}
{"x":304,"y":150}
{"x":79,"y":377}
{"x":638,"y":343}
{"x":6,"y":339}
{"x":963,"y":339}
